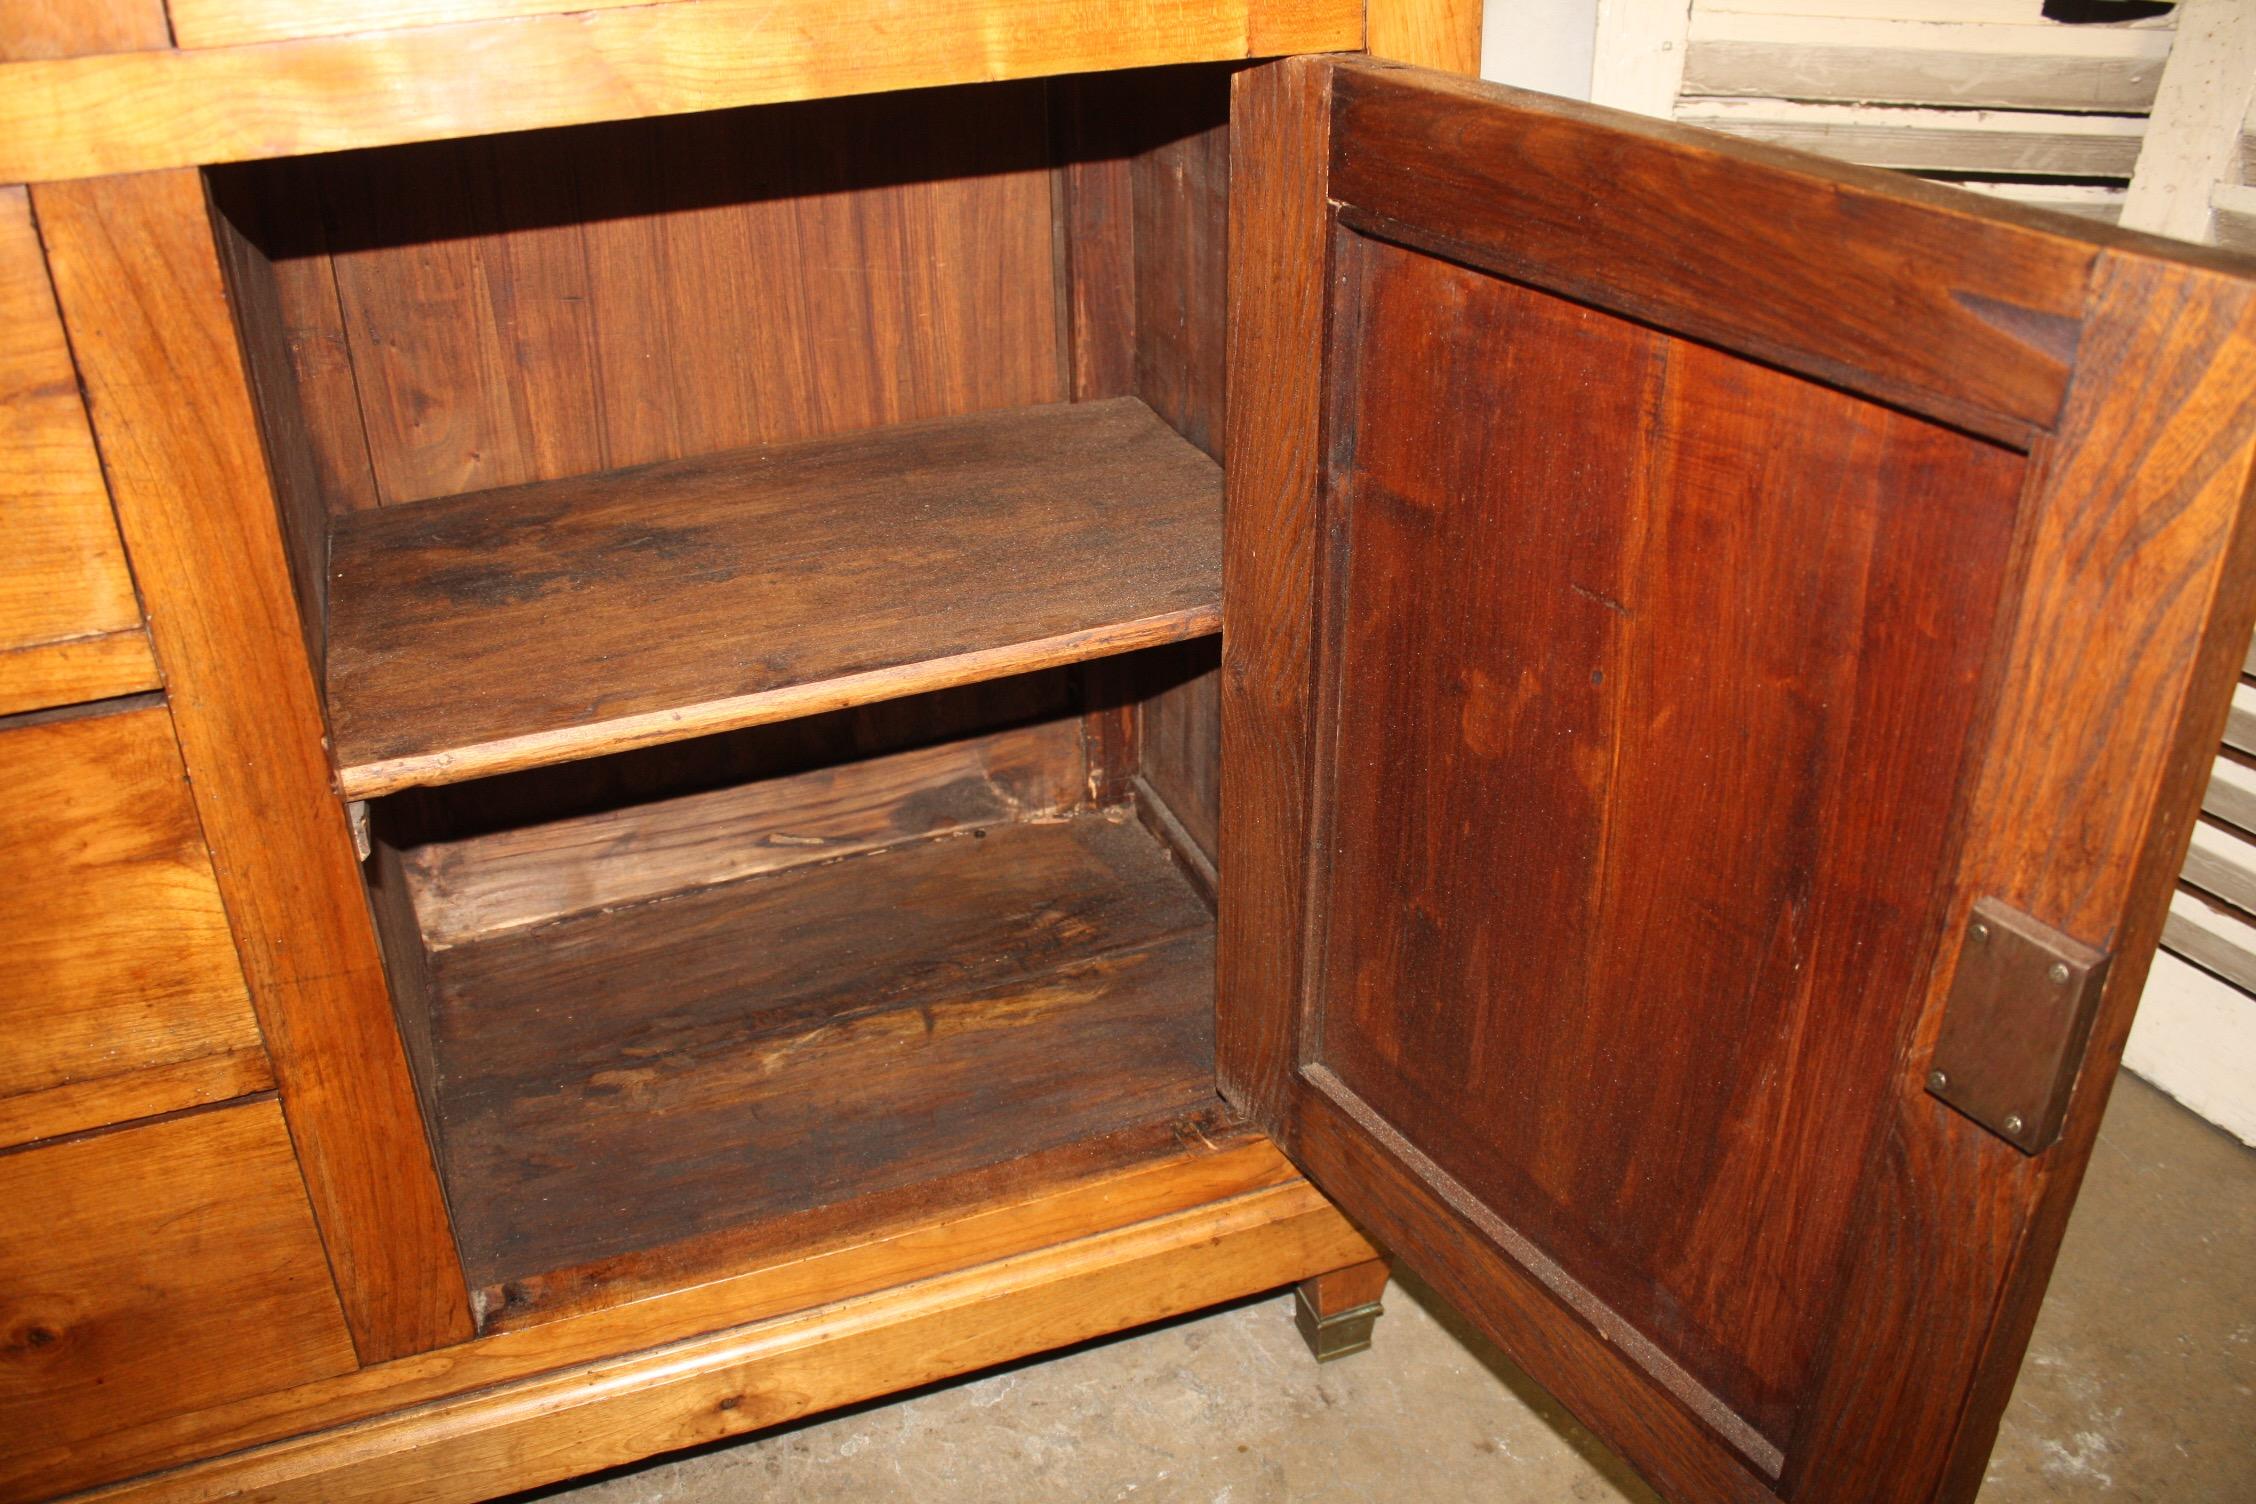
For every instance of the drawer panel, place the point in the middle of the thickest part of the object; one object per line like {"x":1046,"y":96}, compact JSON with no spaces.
{"x":120,"y":992}
{"x":70,"y":628}
{"x":158,"y":1269}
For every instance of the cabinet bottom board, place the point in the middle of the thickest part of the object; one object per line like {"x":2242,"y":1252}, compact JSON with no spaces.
{"x":633,"y":1081}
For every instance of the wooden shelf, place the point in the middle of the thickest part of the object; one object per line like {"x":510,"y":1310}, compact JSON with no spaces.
{"x":628,"y":1079}
{"x":539,"y":624}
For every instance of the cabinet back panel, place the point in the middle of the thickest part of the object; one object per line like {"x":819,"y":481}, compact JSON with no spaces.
{"x":1633,"y":862}
{"x":531,"y":307}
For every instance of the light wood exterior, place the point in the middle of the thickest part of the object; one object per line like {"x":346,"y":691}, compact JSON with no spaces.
{"x":70,"y":628}
{"x":141,"y":290}
{"x":138,"y":111}
{"x":120,"y":994}
{"x":175,"y":1262}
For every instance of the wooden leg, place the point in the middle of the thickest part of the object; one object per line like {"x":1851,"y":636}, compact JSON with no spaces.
{"x":1336,"y":1311}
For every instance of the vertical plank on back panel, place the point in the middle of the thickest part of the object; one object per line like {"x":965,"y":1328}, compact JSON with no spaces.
{"x":1181,"y":191}
{"x":1097,"y":222}
{"x":1277,"y":243}
{"x":2145,"y":479}
{"x":628,"y":279}
{"x":426,"y":325}
{"x":143,"y":299}
{"x":538,"y":270}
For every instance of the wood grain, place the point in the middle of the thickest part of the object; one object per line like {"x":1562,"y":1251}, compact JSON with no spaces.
{"x":175,"y":1261}
{"x":1181,"y":751}
{"x":229,"y":23}
{"x":476,"y":635}
{"x":1154,"y":1175}
{"x":135,"y":112}
{"x":1614,"y":940}
{"x":2128,"y":629}
{"x":1180,"y":186}
{"x":2022,"y":663}
{"x":1281,"y":120}
{"x":70,"y":628}
{"x":77,"y":28}
{"x":254,"y":291}
{"x":618,"y":1410}
{"x":1981,"y":336}
{"x":1444,"y":34}
{"x":142,"y":294}
{"x":546,"y":306}
{"x":628,"y":1079}
{"x":528,"y":875}
{"x":117,"y":959}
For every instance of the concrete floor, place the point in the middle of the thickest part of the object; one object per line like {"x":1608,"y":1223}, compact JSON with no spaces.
{"x":2140,"y":1385}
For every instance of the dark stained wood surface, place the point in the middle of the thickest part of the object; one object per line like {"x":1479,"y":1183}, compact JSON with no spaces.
{"x":1617,"y":932}
{"x":1277,"y":235}
{"x":2118,"y":667}
{"x":508,"y":879}
{"x":1671,"y":711}
{"x":142,"y":294}
{"x":532,"y":307}
{"x":1728,"y":241}
{"x":480,"y":634}
{"x":625,"y":1080}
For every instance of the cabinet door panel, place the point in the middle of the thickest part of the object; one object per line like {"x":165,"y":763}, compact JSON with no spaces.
{"x":1643,"y":646}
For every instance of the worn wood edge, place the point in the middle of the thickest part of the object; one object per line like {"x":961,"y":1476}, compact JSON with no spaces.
{"x":569,"y":744}
{"x":618,"y":1410}
{"x":882,"y":1238}
{"x":151,"y":1091}
{"x":1195,"y":1170}
{"x":139,"y":111}
{"x":1979,"y":1220}
{"x":1181,"y":846}
{"x":1582,"y":1366}
{"x":490,"y":883}
{"x":73,"y":670}
{"x":139,"y":283}
{"x":2197,"y":725}
{"x":1874,"y":181}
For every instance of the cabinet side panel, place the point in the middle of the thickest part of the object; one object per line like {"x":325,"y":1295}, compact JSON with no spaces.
{"x":70,"y":628}
{"x":143,"y":298}
{"x":155,"y":1270}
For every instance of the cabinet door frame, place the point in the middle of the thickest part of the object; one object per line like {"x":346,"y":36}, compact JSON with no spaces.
{"x":2121,"y":365}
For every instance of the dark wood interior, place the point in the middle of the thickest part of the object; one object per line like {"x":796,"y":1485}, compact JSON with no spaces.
{"x":764,"y":568}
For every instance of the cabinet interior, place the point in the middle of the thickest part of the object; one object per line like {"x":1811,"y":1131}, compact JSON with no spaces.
{"x":764,"y":571}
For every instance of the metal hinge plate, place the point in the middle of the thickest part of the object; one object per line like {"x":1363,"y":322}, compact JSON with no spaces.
{"x":2015,"y":1025}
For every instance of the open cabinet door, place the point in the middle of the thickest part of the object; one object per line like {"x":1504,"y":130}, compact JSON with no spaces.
{"x":1720,"y":656}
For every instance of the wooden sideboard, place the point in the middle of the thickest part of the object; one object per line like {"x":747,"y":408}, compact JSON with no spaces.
{"x":674,"y":764}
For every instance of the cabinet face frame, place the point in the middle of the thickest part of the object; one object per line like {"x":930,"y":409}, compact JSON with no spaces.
{"x":2119,"y":562}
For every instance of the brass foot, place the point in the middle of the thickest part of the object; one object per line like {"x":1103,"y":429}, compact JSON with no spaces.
{"x":1335,"y":1312}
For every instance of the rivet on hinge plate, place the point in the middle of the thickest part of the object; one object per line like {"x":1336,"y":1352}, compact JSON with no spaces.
{"x":2015,"y":1024}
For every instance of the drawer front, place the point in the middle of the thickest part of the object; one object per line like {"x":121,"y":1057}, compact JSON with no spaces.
{"x":157,"y":1269}
{"x":120,"y":992}
{"x":70,"y":628}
